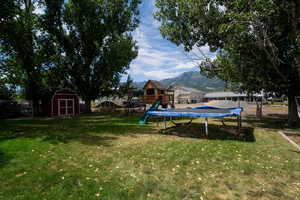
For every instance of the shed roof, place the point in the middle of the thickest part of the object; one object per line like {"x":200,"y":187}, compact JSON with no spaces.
{"x":65,"y":91}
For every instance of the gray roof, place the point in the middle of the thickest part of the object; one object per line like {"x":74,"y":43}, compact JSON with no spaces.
{"x":190,"y":90}
{"x":224,"y":94}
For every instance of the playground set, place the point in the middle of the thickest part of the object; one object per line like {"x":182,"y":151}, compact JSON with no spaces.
{"x":154,"y":92}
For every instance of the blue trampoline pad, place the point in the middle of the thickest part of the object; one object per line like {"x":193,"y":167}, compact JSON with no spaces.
{"x":202,"y":111}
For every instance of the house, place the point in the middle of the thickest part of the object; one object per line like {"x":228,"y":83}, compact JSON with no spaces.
{"x":154,"y":91}
{"x":188,"y":95}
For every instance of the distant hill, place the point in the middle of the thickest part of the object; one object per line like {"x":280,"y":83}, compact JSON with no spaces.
{"x":192,"y":80}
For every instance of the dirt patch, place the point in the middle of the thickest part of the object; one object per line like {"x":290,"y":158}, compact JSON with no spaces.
{"x":269,"y":111}
{"x":293,"y":136}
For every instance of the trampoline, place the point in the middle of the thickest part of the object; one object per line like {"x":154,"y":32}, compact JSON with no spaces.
{"x":197,"y":112}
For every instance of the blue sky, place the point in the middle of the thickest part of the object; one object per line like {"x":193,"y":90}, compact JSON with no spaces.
{"x":158,"y":58}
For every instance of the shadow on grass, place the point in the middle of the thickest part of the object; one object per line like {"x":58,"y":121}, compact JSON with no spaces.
{"x":265,"y":122}
{"x":215,"y":132}
{"x":94,"y":129}
{"x":4,"y":159}
{"x":298,"y":152}
{"x":84,"y":139}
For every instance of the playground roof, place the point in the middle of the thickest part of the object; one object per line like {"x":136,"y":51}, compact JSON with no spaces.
{"x":157,"y":84}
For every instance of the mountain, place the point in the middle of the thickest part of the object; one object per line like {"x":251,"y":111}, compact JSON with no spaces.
{"x":192,"y":80}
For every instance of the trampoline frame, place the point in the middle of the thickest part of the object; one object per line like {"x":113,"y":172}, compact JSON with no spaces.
{"x":235,"y":112}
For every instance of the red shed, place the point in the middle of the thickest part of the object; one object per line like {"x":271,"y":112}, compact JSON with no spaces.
{"x":65,"y":103}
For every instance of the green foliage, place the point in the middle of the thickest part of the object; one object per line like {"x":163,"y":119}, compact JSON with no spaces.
{"x":26,"y":51}
{"x":95,"y":37}
{"x":17,"y":27}
{"x":6,"y":93}
{"x":257,"y":42}
{"x":191,"y":23}
{"x":252,"y":39}
{"x":83,"y":45}
{"x":138,"y":93}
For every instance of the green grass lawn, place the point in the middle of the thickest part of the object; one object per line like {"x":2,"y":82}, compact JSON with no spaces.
{"x":112,"y":157}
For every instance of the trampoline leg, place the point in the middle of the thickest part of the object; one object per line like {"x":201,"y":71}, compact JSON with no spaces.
{"x":239,"y":123}
{"x":223,"y":123}
{"x":165,"y":122}
{"x":206,"y":126}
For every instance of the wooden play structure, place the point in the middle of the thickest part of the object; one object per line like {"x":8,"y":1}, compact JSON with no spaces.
{"x":154,"y":92}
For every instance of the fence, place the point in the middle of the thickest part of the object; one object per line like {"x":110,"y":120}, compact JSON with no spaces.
{"x":9,"y":109}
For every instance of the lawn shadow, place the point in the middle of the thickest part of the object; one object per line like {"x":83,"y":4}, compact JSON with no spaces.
{"x":215,"y":132}
{"x":84,"y":139}
{"x":265,"y":122}
{"x":4,"y":159}
{"x":276,"y":116}
{"x":298,"y":152}
{"x":94,"y":129}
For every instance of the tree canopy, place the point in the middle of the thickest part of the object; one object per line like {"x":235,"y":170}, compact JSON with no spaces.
{"x":81,"y":45}
{"x":257,"y":42}
{"x":95,"y":38}
{"x":25,"y":51}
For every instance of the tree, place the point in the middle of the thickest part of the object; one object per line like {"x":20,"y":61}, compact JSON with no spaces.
{"x":9,"y":78}
{"x":6,"y":93}
{"x":25,"y":50}
{"x":257,"y":41}
{"x":125,"y":87}
{"x":95,"y":38}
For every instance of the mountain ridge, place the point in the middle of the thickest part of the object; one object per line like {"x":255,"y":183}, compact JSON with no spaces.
{"x":191,"y":79}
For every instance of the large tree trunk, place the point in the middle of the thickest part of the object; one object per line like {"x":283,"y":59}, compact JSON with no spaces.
{"x":35,"y":107}
{"x":293,"y":118}
{"x":294,"y":12}
{"x":32,"y":93}
{"x":88,"y":106}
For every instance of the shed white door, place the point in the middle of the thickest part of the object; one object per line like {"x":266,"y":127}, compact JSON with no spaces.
{"x":65,"y":107}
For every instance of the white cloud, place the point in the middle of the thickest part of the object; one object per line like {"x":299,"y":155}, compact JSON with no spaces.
{"x":159,"y":58}
{"x":156,"y":23}
{"x":156,"y":57}
{"x":151,"y":51}
{"x":158,"y":75}
{"x":188,"y":65}
{"x":136,"y":69}
{"x":141,"y":38}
